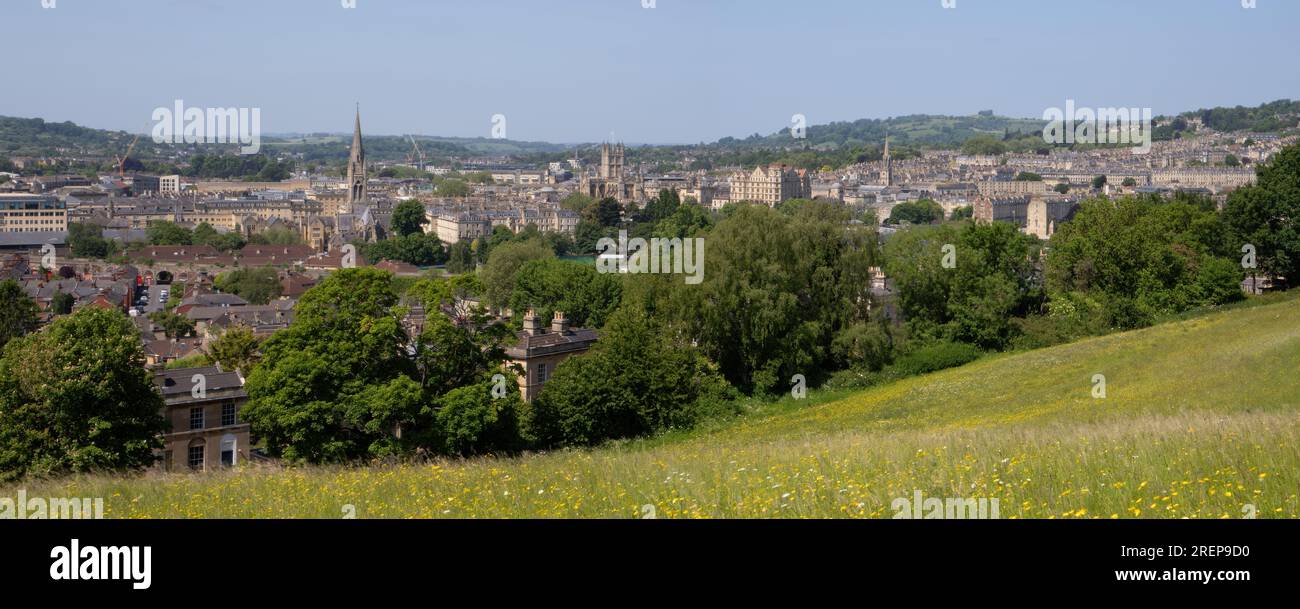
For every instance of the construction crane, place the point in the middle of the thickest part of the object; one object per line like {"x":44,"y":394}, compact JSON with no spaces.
{"x":417,"y":156}
{"x":121,"y":161}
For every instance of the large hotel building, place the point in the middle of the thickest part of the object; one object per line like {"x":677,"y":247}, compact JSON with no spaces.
{"x":771,"y":185}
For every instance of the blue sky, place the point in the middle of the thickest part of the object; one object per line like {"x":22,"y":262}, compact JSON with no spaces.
{"x":585,"y":70}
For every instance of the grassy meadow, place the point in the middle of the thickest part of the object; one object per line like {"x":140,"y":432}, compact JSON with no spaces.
{"x":1201,"y":419}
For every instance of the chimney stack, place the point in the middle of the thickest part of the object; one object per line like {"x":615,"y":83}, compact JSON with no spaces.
{"x":532,"y":325}
{"x":559,"y":325}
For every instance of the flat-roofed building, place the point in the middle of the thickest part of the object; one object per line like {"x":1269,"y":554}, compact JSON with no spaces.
{"x":24,"y":213}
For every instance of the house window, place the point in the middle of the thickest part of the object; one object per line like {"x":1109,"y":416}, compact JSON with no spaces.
{"x":196,"y":457}
{"x":541,"y":373}
{"x":228,"y":414}
{"x":196,"y":417}
{"x":228,"y":443}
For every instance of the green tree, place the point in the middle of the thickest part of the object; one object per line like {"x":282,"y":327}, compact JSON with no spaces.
{"x":503,"y":263}
{"x":19,"y":314}
{"x":235,"y":349}
{"x":409,"y":218}
{"x":662,"y":206}
{"x":578,"y":202}
{"x":61,"y":303}
{"x":776,"y":290}
{"x":87,"y":241}
{"x":687,"y":221}
{"x":76,"y":397}
{"x":336,"y":384}
{"x":1141,"y":257}
{"x":586,"y":235}
{"x":162,"y":232}
{"x":460,"y":257}
{"x":453,"y":188}
{"x":586,"y":296}
{"x":257,"y":285}
{"x":606,"y":212}
{"x":418,"y":248}
{"x":204,"y":234}
{"x":984,"y":145}
{"x":1098,"y":182}
{"x":924,"y":211}
{"x":471,"y":420}
{"x":990,"y":280}
{"x":175,"y":326}
{"x":1266,"y":215}
{"x":636,"y":380}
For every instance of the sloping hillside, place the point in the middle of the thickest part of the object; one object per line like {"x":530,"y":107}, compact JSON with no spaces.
{"x":1200,"y":418}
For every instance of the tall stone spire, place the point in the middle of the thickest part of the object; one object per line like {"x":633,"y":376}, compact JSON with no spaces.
{"x":887,"y":166}
{"x":357,"y":166}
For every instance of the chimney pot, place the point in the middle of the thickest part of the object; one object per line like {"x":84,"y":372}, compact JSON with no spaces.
{"x":559,"y":324}
{"x":532,"y":324}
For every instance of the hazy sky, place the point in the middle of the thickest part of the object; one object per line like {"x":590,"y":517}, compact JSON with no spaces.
{"x":585,"y":70}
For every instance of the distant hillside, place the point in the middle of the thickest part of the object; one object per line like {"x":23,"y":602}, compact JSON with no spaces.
{"x":1274,"y":116}
{"x":855,"y":141}
{"x":35,"y":137}
{"x":918,"y":129}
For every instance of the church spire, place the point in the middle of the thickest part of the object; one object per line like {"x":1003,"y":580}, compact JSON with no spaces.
{"x":357,"y":165}
{"x":887,"y":168}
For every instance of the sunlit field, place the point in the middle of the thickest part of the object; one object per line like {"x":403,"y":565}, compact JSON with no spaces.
{"x":1200,"y":419}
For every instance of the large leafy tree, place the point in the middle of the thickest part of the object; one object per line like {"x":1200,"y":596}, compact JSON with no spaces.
{"x":76,"y":397}
{"x":775,"y":290}
{"x":991,"y":278}
{"x":409,"y":218}
{"x":924,"y":211}
{"x":18,"y":313}
{"x":503,"y":264}
{"x":335,"y":385}
{"x":257,"y":285}
{"x":1267,"y":215}
{"x":162,"y":232}
{"x":235,"y":349}
{"x":638,"y":379}
{"x":417,"y":248}
{"x":1143,"y":257}
{"x":87,"y":241}
{"x":345,"y":381}
{"x":586,"y":296}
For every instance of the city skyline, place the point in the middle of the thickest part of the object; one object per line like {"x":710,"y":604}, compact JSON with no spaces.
{"x":678,"y":73}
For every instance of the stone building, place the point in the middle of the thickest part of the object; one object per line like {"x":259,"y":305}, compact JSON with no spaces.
{"x":539,"y":350}
{"x":612,"y":180}
{"x":202,"y":406}
{"x":771,"y":185}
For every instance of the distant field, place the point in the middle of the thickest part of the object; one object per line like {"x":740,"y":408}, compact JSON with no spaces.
{"x":1201,"y":419}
